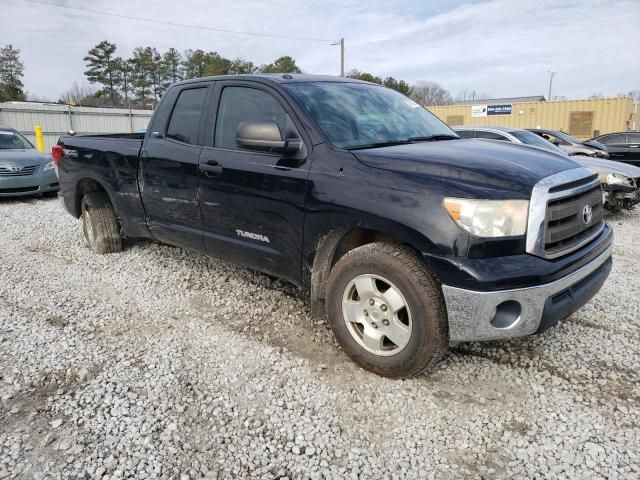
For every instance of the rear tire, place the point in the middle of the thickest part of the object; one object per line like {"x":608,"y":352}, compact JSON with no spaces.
{"x":100,"y":224}
{"x":387,"y":311}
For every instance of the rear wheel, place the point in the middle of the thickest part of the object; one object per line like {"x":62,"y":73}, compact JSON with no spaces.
{"x":386,"y":310}
{"x":100,"y":224}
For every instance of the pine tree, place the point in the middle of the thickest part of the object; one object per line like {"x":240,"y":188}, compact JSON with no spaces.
{"x":284,"y":64}
{"x":156,"y":74}
{"x":172,"y":67}
{"x":141,"y":74}
{"x":102,"y":68}
{"x":216,"y":64}
{"x":11,"y":72}
{"x":194,"y":64}
{"x":124,"y":78}
{"x":240,"y":65}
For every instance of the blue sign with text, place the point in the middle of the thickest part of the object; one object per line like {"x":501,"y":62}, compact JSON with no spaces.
{"x":499,"y":109}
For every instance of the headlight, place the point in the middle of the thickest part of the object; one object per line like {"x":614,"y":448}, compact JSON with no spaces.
{"x":48,"y":166}
{"x":489,"y":218}
{"x":608,"y":178}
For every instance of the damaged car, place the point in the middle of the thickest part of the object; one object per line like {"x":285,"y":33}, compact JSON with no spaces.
{"x":621,"y":182}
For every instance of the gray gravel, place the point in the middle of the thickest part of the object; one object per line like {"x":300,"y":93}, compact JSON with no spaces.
{"x":161,"y":363}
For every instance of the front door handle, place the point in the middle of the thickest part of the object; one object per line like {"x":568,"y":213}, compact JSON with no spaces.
{"x":211,"y":168}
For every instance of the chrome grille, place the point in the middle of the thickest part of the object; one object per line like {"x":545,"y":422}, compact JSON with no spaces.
{"x":565,"y":224}
{"x":14,"y":171}
{"x":555,"y":226}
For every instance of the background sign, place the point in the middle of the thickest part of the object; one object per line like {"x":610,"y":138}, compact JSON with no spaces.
{"x":499,"y":109}
{"x":478,"y":111}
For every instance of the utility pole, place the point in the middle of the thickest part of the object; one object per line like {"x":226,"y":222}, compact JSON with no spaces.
{"x":551,"y":75}
{"x":341,"y":43}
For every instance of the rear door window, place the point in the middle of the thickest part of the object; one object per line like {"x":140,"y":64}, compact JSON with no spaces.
{"x":611,"y":139}
{"x":184,"y":123}
{"x":553,"y":139}
{"x":491,"y":135}
{"x":465,"y":133}
{"x":633,"y":138}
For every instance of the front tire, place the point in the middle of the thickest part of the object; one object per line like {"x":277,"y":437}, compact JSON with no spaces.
{"x":100,"y":224}
{"x":387,"y":311}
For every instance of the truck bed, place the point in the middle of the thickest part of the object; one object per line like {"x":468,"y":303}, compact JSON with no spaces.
{"x":111,"y":161}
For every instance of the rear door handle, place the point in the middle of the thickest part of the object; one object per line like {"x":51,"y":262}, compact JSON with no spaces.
{"x":211,"y":168}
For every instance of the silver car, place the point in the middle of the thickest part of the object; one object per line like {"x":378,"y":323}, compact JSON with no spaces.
{"x":621,"y":182}
{"x":571,"y":145}
{"x":23,"y":169}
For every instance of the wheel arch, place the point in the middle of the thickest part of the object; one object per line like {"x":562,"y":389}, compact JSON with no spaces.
{"x":83,"y":186}
{"x":331,"y":247}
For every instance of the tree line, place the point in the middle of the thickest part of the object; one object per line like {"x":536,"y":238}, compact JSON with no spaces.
{"x":140,"y":80}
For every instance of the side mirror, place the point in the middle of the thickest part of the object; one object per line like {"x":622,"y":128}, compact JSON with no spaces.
{"x":265,"y":136}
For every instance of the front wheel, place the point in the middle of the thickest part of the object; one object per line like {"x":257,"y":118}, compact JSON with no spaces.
{"x":386,"y":310}
{"x":100,"y":224}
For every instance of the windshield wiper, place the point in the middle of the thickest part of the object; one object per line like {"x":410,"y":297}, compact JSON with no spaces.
{"x":433,"y":138}
{"x":378,"y":145}
{"x":430,"y":138}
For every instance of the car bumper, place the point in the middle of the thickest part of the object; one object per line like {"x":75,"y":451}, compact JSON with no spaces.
{"x":39,"y":182}
{"x":628,"y":198}
{"x":492,"y":315}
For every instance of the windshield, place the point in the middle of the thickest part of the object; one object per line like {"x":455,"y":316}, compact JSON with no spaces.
{"x":13,"y":141}
{"x":353,"y":115}
{"x":534,"y":140}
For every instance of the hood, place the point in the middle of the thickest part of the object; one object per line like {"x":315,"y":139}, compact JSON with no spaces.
{"x":594,"y":144}
{"x":609,"y":166}
{"x":23,"y":157}
{"x":495,"y":164}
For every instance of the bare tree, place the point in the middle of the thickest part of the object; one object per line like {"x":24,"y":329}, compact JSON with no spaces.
{"x":465,"y":95}
{"x":634,"y":95}
{"x":429,"y":93}
{"x":81,"y":95}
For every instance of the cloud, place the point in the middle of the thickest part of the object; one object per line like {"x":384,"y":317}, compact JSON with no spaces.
{"x":504,"y":47}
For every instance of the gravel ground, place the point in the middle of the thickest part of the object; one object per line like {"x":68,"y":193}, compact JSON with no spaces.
{"x":161,"y":363}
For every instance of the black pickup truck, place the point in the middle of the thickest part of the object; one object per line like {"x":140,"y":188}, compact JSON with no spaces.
{"x":405,"y":235}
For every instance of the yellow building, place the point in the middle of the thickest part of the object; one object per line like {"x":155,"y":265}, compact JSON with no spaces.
{"x":581,"y":118}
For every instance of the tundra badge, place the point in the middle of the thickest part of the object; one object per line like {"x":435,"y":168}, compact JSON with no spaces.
{"x":254,"y":236}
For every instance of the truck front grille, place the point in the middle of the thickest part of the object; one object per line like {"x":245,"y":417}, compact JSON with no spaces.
{"x":6,"y":171}
{"x":572,"y":220}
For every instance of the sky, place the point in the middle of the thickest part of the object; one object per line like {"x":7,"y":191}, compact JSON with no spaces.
{"x":501,"y":47}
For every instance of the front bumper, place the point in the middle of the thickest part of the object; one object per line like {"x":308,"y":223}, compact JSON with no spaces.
{"x":39,"y":182}
{"x":491,"y":315}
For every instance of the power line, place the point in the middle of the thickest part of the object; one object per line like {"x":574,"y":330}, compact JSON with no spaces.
{"x":173,"y":24}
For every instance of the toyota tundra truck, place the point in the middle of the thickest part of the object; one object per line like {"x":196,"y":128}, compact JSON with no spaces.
{"x":406,"y":237}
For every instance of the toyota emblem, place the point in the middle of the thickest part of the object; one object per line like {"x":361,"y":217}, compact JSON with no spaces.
{"x":587,"y":214}
{"x":15,"y":168}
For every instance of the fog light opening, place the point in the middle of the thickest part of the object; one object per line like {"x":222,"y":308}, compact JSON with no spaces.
{"x":507,"y":315}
